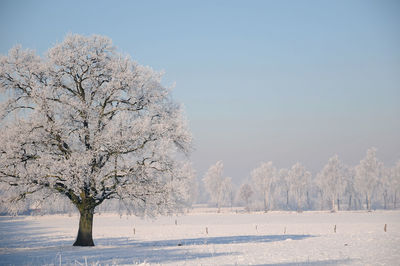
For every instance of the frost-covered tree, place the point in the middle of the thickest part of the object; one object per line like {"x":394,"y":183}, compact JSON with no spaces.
{"x":190,"y":188}
{"x":89,"y":124}
{"x":284,"y":184}
{"x":218,"y":188}
{"x":212,"y":181}
{"x":368,"y":174}
{"x":331,"y":180}
{"x":395,"y":183}
{"x":245,"y":193}
{"x":320,"y":191}
{"x":191,"y":183}
{"x":350,"y":187}
{"x":228,"y":191}
{"x":299,"y":180}
{"x":262,"y":178}
{"x":385,"y":186}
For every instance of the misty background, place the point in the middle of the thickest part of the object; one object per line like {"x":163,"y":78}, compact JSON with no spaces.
{"x":280,"y":81}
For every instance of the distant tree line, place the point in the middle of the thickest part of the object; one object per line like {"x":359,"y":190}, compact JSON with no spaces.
{"x":368,"y":185}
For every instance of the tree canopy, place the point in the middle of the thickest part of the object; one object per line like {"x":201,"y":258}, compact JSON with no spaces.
{"x":89,"y":124}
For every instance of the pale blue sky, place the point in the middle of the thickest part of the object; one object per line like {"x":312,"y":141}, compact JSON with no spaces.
{"x":284,"y":81}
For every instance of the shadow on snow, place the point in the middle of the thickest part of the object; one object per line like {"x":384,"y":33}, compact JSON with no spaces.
{"x":22,"y":242}
{"x":305,"y":263}
{"x":201,"y":241}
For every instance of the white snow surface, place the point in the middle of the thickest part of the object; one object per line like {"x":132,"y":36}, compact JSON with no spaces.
{"x":273,"y":238}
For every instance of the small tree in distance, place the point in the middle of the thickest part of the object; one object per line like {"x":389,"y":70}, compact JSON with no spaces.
{"x":284,"y":184}
{"x":395,"y":183}
{"x":300,"y":179}
{"x":368,"y":174}
{"x":262,"y":178}
{"x":213,"y":183}
{"x":245,"y":193}
{"x":332,"y":181}
{"x":228,"y":191}
{"x":90,"y":125}
{"x":218,"y":188}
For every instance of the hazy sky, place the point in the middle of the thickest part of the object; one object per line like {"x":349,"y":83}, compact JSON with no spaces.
{"x":280,"y":81}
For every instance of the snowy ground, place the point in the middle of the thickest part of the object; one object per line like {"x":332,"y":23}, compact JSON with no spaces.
{"x":274,"y":238}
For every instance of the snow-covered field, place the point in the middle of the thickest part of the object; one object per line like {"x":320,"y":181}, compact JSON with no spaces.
{"x":274,"y":238}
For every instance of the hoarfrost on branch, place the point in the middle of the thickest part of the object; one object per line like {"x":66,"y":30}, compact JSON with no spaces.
{"x":89,"y":124}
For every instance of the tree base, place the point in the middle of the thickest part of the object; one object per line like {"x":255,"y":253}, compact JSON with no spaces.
{"x":84,"y":237}
{"x":81,"y":243}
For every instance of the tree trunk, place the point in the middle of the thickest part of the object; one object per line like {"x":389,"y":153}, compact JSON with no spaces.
{"x":385,"y":200}
{"x":265,"y":202}
{"x":369,"y":202}
{"x":349,"y":207}
{"x":338,"y":204}
{"x":322,"y":201}
{"x":84,"y":237}
{"x":298,"y":205}
{"x":287,"y":199}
